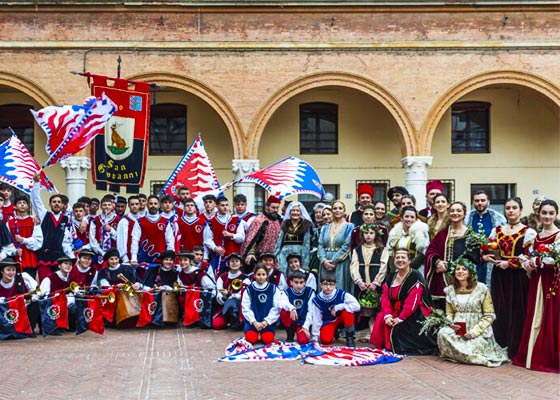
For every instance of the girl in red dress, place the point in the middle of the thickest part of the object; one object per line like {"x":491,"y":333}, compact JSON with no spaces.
{"x":539,"y":348}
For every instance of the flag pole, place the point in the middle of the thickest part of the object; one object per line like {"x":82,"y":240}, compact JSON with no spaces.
{"x":90,"y":75}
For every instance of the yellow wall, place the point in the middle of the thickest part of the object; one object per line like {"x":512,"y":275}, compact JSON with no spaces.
{"x":369,"y":146}
{"x":524,"y":145}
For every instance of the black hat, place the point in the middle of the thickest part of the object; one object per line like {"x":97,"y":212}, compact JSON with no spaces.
{"x":167,"y":254}
{"x":7,"y":262}
{"x":293,"y":255}
{"x":185,"y":253}
{"x":86,"y":253}
{"x":234,"y":255}
{"x":60,"y":260}
{"x":396,"y":189}
{"x":112,"y":252}
{"x":267,"y":254}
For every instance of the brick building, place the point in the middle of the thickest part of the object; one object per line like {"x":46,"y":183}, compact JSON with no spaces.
{"x":388,"y":92}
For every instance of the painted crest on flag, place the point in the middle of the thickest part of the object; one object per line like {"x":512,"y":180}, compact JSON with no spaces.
{"x":152,"y":307}
{"x":88,"y":314}
{"x":198,"y":305}
{"x":53,"y":312}
{"x":119,"y":137}
{"x":12,"y":316}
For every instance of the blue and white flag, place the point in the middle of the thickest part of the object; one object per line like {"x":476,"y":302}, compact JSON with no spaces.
{"x":19,"y":166}
{"x":286,"y":177}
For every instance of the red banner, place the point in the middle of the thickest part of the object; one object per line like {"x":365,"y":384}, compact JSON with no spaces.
{"x":120,"y":150}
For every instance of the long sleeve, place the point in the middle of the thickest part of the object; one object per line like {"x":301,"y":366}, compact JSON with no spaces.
{"x":219,"y":296}
{"x":36,"y":201}
{"x":355,"y":268}
{"x":122,"y":239}
{"x":170,"y":236}
{"x":350,"y":304}
{"x":311,"y":282}
{"x":384,"y":261}
{"x":7,"y":250}
{"x":412,"y":301}
{"x":488,"y":315}
{"x":306,"y":249}
{"x":321,"y":247}
{"x":239,"y":236}
{"x":248,"y":313}
{"x":344,"y":250}
{"x":67,"y":244}
{"x":285,"y":303}
{"x":95,"y":246}
{"x":449,"y":311}
{"x":386,"y":306}
{"x":30,"y":283}
{"x":135,"y":240}
{"x":35,"y":241}
{"x":309,"y":317}
{"x":208,"y":238}
{"x":316,"y":321}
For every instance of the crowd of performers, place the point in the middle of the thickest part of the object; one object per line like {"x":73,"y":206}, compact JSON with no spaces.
{"x":494,"y":277}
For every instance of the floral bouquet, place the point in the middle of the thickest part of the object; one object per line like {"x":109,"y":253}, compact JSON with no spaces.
{"x":549,"y":254}
{"x":434,"y":322}
{"x":480,"y":240}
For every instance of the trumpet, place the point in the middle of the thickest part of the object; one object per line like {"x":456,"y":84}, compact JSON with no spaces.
{"x":127,"y":285}
{"x":111,"y":298}
{"x":177,"y":287}
{"x":234,"y":285}
{"x":30,"y":293}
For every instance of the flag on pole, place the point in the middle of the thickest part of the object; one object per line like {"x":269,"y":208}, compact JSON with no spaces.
{"x":194,"y":171}
{"x":70,"y":129}
{"x":286,"y":177}
{"x":54,"y":313}
{"x":19,"y":166}
{"x":14,"y":321}
{"x":108,"y":307}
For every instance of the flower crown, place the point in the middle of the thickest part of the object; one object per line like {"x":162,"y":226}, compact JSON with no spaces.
{"x":465,"y":262}
{"x":371,"y":227}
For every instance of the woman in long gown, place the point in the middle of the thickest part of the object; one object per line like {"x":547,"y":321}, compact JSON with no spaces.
{"x":447,"y":246}
{"x":405,"y":302}
{"x":469,"y":302}
{"x":539,"y":348}
{"x":510,"y":283}
{"x":439,"y":220}
{"x":294,"y":237}
{"x":334,"y":247}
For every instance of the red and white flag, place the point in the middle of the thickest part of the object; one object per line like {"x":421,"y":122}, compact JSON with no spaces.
{"x":194,"y":171}
{"x":70,"y":129}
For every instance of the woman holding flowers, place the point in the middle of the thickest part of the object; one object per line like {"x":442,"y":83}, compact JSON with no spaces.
{"x":510,"y":283}
{"x":539,"y":348}
{"x":469,"y":339}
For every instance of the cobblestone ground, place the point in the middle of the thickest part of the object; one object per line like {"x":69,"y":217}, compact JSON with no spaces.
{"x":182,"y":364}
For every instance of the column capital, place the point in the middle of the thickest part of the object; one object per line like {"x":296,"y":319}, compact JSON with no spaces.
{"x":241,"y":167}
{"x":76,"y":163}
{"x":416,"y":161}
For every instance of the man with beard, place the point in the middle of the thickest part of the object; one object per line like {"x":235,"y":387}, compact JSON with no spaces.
{"x":395,"y":194}
{"x":262,"y":234}
{"x":124,"y":228}
{"x":151,"y":236}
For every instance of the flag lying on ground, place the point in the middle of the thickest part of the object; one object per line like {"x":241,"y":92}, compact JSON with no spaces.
{"x":286,"y":177}
{"x":89,"y":315}
{"x":14,"y":321}
{"x":152,"y":310}
{"x":310,"y":354}
{"x":19,"y":166}
{"x":198,"y":304}
{"x":194,"y":171}
{"x":54,"y":313}
{"x":70,"y":129}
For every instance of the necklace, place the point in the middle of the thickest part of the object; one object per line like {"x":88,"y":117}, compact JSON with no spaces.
{"x":511,"y":226}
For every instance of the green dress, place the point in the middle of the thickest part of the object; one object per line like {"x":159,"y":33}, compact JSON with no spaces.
{"x":477,"y":311}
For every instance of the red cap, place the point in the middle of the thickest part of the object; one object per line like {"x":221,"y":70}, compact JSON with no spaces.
{"x":273,"y":200}
{"x":364,"y":188}
{"x":431,"y":185}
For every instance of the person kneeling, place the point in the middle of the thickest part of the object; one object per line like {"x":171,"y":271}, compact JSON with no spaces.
{"x":333,"y":307}
{"x":261,"y":304}
{"x":295,"y":315}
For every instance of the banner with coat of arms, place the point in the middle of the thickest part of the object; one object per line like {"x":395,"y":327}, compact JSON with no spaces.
{"x":120,"y":150}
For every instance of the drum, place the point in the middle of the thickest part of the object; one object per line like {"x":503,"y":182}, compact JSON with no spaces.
{"x":170,"y":308}
{"x":128,"y":309}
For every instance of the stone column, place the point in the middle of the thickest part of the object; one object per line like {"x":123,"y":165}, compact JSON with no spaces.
{"x":416,"y":175}
{"x":241,"y":168}
{"x":76,"y":176}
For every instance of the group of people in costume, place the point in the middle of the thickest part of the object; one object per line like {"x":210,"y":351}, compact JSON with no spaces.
{"x":493,"y":277}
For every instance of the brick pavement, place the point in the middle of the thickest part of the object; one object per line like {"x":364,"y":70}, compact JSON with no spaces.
{"x":182,"y":363}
